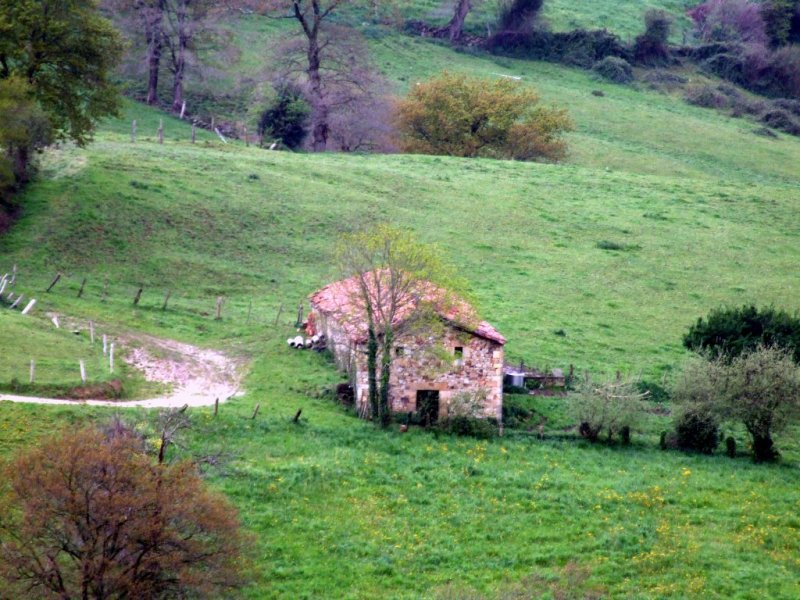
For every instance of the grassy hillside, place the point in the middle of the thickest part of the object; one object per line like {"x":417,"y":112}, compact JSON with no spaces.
{"x":662,"y":212}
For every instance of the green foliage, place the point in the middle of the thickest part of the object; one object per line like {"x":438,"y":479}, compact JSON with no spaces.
{"x":462,"y":425}
{"x":65,"y":50}
{"x":733,"y":331}
{"x":458,"y":115}
{"x":759,"y":388}
{"x":697,"y":430}
{"x":286,"y":119}
{"x":615,"y":69}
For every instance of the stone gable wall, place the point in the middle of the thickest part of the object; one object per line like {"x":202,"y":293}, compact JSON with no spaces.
{"x":481,"y":367}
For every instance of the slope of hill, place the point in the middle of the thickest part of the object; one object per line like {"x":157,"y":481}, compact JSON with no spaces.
{"x":662,"y":212}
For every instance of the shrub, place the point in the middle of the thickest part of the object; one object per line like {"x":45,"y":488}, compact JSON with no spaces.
{"x":777,"y":118}
{"x":482,"y":429}
{"x":730,"y":447}
{"x":707,"y":97}
{"x":286,"y":118}
{"x":606,"y":407}
{"x":729,"y":20}
{"x":732,"y":331}
{"x":516,"y":413}
{"x":654,"y":392}
{"x":580,"y":47}
{"x":781,"y":77}
{"x":697,"y":430}
{"x":663,"y":79}
{"x":614,"y":69}
{"x":652,"y":48}
{"x":517,"y":15}
{"x":458,"y":115}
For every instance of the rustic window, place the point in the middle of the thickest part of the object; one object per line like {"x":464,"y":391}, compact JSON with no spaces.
{"x":399,"y":351}
{"x":458,"y":352}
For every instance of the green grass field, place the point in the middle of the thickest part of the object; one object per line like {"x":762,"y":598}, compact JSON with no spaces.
{"x":703,"y":210}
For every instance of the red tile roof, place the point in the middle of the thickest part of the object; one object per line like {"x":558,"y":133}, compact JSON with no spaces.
{"x":342,"y":301}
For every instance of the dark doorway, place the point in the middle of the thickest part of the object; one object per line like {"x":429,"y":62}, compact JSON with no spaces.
{"x":427,"y":407}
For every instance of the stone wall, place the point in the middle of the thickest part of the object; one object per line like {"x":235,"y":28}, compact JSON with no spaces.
{"x":426,"y":365}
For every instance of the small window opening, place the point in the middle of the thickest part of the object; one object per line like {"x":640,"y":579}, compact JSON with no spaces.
{"x":400,"y":351}
{"x":458,"y":352}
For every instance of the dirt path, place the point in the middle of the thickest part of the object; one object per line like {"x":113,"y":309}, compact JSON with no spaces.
{"x":197,"y":376}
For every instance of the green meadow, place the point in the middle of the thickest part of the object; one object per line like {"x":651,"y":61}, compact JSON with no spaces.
{"x":662,"y":212}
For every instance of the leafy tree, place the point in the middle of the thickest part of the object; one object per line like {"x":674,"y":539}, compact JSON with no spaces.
{"x":65,"y":51}
{"x":608,"y":406}
{"x":759,"y":388}
{"x":88,"y":515}
{"x":458,"y":115}
{"x":24,"y":129}
{"x":733,"y":331}
{"x":401,"y":285}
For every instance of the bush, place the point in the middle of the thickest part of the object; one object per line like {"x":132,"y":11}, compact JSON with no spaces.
{"x":516,"y":413}
{"x":652,"y":47}
{"x":457,"y":115}
{"x":655,"y":392}
{"x":707,"y":97}
{"x":732,"y":331}
{"x":729,"y":20}
{"x":777,"y":118}
{"x":580,"y":47}
{"x":730,"y":447}
{"x":606,"y":407}
{"x":286,"y":118}
{"x":661,"y":79}
{"x":698,"y":431}
{"x":614,"y":69}
{"x":517,"y":15}
{"x":482,"y":429}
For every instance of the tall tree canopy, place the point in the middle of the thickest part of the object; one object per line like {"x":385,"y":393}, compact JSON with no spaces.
{"x":65,"y":51}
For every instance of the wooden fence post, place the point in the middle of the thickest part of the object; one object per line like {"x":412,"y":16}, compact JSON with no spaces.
{"x":299,"y":315}
{"x":138,"y":296}
{"x":54,"y":282}
{"x":160,"y":131}
{"x":216,"y":406}
{"x":166,"y":300}
{"x":133,"y":131}
{"x":246,"y":140}
{"x":33,"y":370}
{"x":111,"y":357}
{"x":13,"y":276}
{"x":80,"y":291}
{"x":194,"y":131}
{"x":183,"y":109}
{"x":105,"y":344}
{"x":219,"y":308}
{"x":255,"y":412}
{"x":83,"y":372}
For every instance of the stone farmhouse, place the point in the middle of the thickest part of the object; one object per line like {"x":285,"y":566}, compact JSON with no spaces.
{"x":429,"y":368}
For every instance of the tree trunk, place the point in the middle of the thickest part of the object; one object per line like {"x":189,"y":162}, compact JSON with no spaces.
{"x":386,"y":370}
{"x":320,"y":108}
{"x":764,"y":448}
{"x":372,"y":374}
{"x":455,"y":28}
{"x":177,"y":83}
{"x":155,"y":44}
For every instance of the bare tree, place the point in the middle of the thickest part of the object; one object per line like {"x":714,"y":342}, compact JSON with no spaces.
{"x":320,"y":42}
{"x":351,"y":108}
